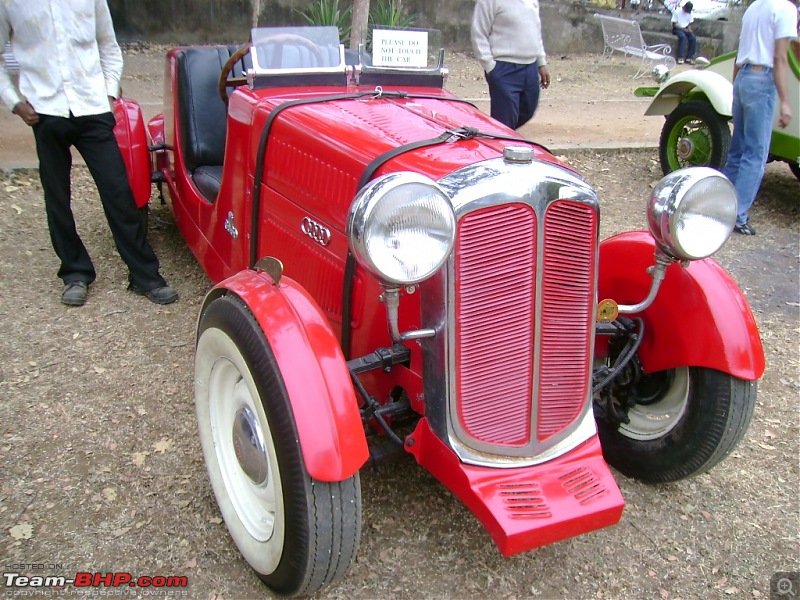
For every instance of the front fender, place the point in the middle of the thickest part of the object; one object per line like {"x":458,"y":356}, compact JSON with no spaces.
{"x":714,"y":86}
{"x":700,"y":317}
{"x":314,"y":371}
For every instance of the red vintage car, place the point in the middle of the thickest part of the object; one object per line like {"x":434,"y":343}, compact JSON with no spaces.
{"x":395,"y":272}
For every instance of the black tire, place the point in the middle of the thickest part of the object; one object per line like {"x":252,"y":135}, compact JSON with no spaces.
{"x":297,"y":533}
{"x":689,"y":420}
{"x":694,"y":135}
{"x":795,"y":167}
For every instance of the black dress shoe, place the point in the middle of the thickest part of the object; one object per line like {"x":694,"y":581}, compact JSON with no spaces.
{"x":160,"y":295}
{"x":74,"y":293}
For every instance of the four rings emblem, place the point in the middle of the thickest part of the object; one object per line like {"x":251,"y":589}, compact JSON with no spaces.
{"x":317,"y":232}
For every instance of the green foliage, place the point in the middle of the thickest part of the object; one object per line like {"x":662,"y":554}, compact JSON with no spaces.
{"x":328,"y":12}
{"x":389,"y":13}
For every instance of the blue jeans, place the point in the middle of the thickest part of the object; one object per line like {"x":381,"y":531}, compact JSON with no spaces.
{"x":683,"y":38}
{"x":514,"y":92}
{"x":753,"y":111}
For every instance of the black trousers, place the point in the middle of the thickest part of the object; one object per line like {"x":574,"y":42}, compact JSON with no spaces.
{"x":93,"y":137}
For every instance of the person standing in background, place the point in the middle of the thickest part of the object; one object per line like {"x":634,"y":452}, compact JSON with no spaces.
{"x":682,"y":28}
{"x":507,"y":40}
{"x":69,"y":70}
{"x":760,"y":73}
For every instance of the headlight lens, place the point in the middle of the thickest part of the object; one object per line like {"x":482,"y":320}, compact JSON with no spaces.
{"x":401,"y":228}
{"x":691,"y":212}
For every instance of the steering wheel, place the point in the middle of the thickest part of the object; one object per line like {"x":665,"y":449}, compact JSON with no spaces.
{"x":278,"y":41}
{"x":225,"y":81}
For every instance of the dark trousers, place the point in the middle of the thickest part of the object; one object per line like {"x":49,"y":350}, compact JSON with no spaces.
{"x":514,"y":92}
{"x":686,"y":38}
{"x":93,"y":137}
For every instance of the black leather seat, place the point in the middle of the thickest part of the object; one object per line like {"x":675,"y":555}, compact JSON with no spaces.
{"x":203,"y":114}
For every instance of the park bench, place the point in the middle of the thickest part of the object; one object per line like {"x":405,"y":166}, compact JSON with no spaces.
{"x":625,"y":35}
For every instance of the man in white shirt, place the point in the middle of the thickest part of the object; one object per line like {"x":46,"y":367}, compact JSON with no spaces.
{"x":507,"y":40}
{"x":682,"y":28}
{"x":761,"y":73}
{"x":69,"y":70}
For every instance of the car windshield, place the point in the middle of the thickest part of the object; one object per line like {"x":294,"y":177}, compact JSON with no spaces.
{"x":303,"y":55}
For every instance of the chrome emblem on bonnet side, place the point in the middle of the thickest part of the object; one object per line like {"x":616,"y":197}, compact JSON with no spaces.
{"x":317,"y":232}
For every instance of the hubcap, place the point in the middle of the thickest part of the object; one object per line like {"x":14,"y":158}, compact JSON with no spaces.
{"x":248,"y":446}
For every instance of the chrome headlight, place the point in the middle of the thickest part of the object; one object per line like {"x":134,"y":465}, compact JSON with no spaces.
{"x":691,"y":212}
{"x":401,"y":228}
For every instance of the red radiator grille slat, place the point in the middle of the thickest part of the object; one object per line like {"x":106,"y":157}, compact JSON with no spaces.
{"x":567,"y":314}
{"x":494,"y":279}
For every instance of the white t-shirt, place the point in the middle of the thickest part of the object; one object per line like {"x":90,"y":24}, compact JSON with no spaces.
{"x":682,"y":19}
{"x":764,"y":22}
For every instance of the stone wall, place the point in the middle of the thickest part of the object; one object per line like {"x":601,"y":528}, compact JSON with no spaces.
{"x":569,"y":26}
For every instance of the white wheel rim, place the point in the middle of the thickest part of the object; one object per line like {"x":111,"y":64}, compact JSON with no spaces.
{"x":230,"y":403}
{"x":652,"y":421}
{"x":252,"y":506}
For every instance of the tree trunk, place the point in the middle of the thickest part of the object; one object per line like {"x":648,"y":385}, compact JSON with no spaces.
{"x":358,"y":29}
{"x":256,"y":12}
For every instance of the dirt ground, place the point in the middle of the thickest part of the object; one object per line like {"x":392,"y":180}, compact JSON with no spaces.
{"x":101,"y":468}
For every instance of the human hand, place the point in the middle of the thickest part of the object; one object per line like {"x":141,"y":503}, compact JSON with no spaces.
{"x":544,"y":77}
{"x":785,"y":115}
{"x":27,"y":113}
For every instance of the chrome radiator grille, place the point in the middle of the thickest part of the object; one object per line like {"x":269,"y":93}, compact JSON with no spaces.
{"x":524,"y":300}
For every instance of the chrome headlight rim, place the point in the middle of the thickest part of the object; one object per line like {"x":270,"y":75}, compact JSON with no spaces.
{"x":691,"y":213}
{"x":362,"y":222}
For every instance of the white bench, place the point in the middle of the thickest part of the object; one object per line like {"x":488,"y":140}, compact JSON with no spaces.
{"x":624,"y":35}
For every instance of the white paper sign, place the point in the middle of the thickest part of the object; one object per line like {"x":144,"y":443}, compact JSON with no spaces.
{"x":392,"y":48}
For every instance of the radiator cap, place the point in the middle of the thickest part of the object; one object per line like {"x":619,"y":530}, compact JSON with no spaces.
{"x":518,"y":154}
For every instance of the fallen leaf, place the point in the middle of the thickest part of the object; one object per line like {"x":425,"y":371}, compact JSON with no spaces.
{"x":139,"y":458}
{"x":21,"y":532}
{"x":189,"y":564}
{"x":110,"y":494}
{"x":163,"y":445}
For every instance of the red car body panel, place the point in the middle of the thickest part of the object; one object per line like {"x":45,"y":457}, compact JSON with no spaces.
{"x":699,"y":318}
{"x":131,"y":135}
{"x":527,"y":507}
{"x":314,"y":372}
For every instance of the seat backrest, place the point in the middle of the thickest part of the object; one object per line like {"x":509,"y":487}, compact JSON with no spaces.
{"x":202,"y":113}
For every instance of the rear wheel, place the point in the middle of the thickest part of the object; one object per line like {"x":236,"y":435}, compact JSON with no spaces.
{"x":694,"y":135}
{"x":297,"y":533}
{"x":681,"y":422}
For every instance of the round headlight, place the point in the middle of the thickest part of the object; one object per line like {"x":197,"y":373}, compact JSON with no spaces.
{"x":691,"y":212}
{"x":401,"y":228}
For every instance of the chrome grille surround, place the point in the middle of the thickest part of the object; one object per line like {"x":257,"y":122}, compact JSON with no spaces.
{"x":491,"y":186}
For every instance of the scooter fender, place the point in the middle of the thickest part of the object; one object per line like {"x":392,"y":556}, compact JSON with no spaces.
{"x":131,"y":134}
{"x":313,"y":368}
{"x":714,"y":86}
{"x":700,"y":317}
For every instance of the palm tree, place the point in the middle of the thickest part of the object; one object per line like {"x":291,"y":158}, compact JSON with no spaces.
{"x":358,"y":30}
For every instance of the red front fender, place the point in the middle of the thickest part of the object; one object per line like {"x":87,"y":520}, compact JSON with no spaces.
{"x":700,"y":317}
{"x":313,"y":369}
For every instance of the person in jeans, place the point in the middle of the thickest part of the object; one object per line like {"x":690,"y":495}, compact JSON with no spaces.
{"x":682,"y":28}
{"x":760,"y":73}
{"x":69,"y":70}
{"x":507,"y":40}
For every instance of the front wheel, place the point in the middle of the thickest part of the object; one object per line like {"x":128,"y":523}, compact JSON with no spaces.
{"x":795,"y":167}
{"x":297,"y":533}
{"x":681,"y":422}
{"x":694,"y":135}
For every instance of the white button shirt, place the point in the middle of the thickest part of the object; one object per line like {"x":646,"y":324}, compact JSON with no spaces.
{"x":68,"y":55}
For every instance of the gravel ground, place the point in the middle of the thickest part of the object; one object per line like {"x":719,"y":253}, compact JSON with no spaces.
{"x":101,"y":468}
